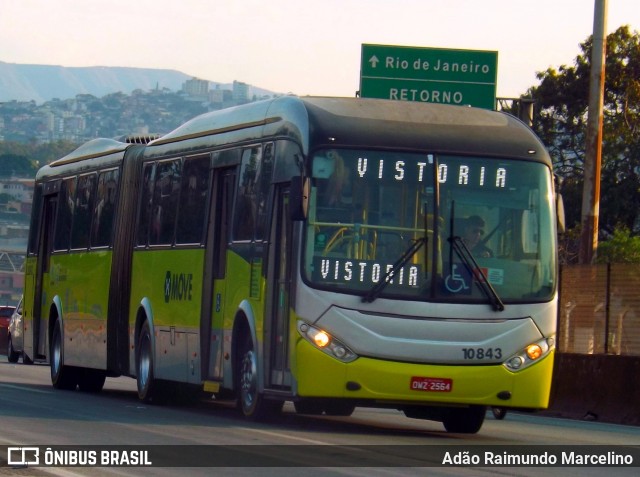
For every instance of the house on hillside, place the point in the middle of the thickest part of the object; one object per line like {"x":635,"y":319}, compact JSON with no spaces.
{"x":15,"y":209}
{"x":19,"y":195}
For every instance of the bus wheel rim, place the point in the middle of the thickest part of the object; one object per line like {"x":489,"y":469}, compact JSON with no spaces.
{"x":57,"y":355}
{"x":145,"y":363}
{"x":248,"y":377}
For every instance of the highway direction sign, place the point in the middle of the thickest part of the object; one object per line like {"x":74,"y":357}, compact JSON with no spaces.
{"x":432,"y":75}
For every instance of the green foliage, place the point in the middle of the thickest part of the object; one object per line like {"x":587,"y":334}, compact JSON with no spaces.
{"x":24,"y":159}
{"x":15,"y":165}
{"x":622,"y":247}
{"x":561,"y":122}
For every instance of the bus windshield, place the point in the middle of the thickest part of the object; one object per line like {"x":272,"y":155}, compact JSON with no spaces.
{"x":392,"y":224}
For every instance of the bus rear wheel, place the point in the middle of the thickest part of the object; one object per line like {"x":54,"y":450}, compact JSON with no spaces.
{"x":250,"y":401}
{"x":91,"y":380}
{"x":499,"y":412}
{"x":62,"y":377}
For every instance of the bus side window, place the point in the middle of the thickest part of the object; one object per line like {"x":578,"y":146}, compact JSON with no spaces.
{"x":193,"y":200}
{"x":146,"y":204}
{"x":83,"y":211}
{"x":246,"y":209}
{"x":34,"y":227}
{"x":104,"y":209}
{"x":263,"y":185}
{"x":65,"y":214}
{"x":165,"y":202}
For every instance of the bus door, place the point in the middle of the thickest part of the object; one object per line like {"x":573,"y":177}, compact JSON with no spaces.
{"x":214,"y":285}
{"x":278,"y":289}
{"x":45,"y":247}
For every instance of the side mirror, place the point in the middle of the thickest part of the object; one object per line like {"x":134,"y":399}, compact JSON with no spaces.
{"x":299,"y":198}
{"x":560,"y":214}
{"x":557,"y":180}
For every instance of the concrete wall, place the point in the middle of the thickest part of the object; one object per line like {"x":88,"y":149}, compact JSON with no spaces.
{"x":603,"y":388}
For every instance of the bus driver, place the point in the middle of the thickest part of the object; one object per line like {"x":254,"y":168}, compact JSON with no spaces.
{"x":473,"y":232}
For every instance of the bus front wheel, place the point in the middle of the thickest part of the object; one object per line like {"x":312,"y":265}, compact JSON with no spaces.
{"x":144,"y":366}
{"x":250,"y":401}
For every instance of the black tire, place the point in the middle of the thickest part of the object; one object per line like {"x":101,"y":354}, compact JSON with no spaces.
{"x":12,"y":355}
{"x":310,"y":406}
{"x":183,"y":394}
{"x":148,"y":388}
{"x":464,"y":421}
{"x":91,"y":380}
{"x":499,"y":412}
{"x":339,"y":408}
{"x":62,"y":377}
{"x":252,"y":403}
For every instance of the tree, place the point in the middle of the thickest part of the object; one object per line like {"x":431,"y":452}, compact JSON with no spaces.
{"x":24,"y":159}
{"x":15,"y":165}
{"x":622,"y":247}
{"x":561,"y":101}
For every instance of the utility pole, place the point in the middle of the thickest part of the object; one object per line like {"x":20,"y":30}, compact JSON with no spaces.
{"x":593,"y":156}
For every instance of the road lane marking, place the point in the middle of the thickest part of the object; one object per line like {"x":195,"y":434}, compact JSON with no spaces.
{"x":285,"y":436}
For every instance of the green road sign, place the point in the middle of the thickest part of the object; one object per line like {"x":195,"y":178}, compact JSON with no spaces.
{"x":432,"y":75}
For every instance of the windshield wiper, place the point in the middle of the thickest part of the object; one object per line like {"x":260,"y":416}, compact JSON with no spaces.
{"x":401,"y":262}
{"x":476,"y":272}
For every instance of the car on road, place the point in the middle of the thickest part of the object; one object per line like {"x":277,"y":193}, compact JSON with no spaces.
{"x":5,"y":316}
{"x":15,"y":334}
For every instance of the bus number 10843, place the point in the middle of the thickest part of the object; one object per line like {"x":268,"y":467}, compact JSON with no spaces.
{"x":482,"y":353}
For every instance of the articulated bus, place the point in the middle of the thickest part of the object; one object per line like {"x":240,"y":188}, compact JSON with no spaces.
{"x":312,"y":250}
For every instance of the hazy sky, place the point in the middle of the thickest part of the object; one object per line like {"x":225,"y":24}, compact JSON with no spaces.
{"x":293,"y":45}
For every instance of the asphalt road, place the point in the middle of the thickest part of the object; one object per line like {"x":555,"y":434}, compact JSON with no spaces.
{"x":32,"y":413}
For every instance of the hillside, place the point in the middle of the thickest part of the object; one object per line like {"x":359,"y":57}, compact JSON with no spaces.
{"x":42,"y":83}
{"x":52,"y":103}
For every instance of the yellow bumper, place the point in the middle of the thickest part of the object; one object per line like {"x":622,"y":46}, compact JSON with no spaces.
{"x":319,"y":375}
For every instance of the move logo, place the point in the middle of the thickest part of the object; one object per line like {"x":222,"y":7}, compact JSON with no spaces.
{"x":178,"y":286}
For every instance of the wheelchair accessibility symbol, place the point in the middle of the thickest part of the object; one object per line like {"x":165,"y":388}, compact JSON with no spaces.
{"x":456,"y":282}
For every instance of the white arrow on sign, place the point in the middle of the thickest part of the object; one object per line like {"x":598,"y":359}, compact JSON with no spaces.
{"x":374,"y":61}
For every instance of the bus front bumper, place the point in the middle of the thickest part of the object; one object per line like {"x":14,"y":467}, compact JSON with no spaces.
{"x":391,"y":382}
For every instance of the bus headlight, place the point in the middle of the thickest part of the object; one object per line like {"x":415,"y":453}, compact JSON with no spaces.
{"x":321,"y":339}
{"x":325,"y":342}
{"x":534,"y":351}
{"x":530,"y":354}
